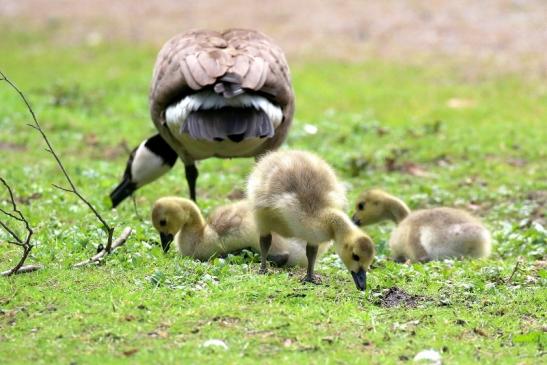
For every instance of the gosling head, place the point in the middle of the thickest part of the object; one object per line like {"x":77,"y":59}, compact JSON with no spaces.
{"x":371,"y":207}
{"x":172,"y":214}
{"x":357,"y":253}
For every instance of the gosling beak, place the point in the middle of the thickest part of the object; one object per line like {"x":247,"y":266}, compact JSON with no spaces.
{"x":360,"y":279}
{"x":166,"y":239}
{"x":356,"y":220}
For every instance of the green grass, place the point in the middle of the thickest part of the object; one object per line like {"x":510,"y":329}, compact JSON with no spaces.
{"x":142,"y":306}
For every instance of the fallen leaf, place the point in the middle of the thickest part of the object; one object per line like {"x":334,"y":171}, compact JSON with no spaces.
{"x":130,"y":352}
{"x":158,"y":334}
{"x":415,"y":170}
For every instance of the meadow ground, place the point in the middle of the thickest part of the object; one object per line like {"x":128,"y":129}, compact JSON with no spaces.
{"x":432,"y":134}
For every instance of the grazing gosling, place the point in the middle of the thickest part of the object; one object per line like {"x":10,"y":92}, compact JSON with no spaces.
{"x":296,"y":194}
{"x":423,"y":235}
{"x":228,"y":229}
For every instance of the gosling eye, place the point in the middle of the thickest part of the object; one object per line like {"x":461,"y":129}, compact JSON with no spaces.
{"x":361,"y":206}
{"x":163,"y":222}
{"x":355,"y":257}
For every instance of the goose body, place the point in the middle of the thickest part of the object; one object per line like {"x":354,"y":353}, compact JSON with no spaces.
{"x":220,"y":94}
{"x":428,"y":234}
{"x":229,"y":86}
{"x":227,"y":229}
{"x":296,"y":194}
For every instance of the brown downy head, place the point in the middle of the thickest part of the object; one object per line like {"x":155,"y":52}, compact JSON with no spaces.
{"x":171,"y":214}
{"x":376,"y":205}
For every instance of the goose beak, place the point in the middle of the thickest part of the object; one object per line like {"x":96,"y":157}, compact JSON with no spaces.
{"x":122,"y":191}
{"x":166,"y":239}
{"x":360,"y":279}
{"x":356,"y":220}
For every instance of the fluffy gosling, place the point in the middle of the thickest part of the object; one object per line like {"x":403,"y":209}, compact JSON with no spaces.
{"x":296,"y":194}
{"x":229,"y":228}
{"x":423,"y":235}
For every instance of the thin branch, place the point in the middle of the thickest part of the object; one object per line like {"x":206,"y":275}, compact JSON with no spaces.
{"x":120,"y":241}
{"x":11,"y":215}
{"x":63,"y":189}
{"x":107,"y":228}
{"x":515,"y":269}
{"x":13,"y":203}
{"x":26,"y":245}
{"x":11,"y":233}
{"x":22,"y":270}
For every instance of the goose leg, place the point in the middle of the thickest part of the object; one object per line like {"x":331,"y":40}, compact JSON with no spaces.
{"x":311,"y":254}
{"x":265,"y":243}
{"x":192,"y":174}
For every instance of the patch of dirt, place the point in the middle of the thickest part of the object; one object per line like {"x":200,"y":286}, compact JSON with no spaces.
{"x":26,"y":200}
{"x":392,"y":164}
{"x":509,"y":32}
{"x":395,"y":297}
{"x":8,"y":146}
{"x":539,"y":200}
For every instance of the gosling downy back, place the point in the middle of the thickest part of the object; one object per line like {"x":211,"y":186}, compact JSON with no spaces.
{"x":228,"y":229}
{"x":429,"y":234}
{"x":295,"y":187}
{"x":296,"y":194}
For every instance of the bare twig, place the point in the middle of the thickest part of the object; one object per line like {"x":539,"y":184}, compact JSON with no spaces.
{"x":107,"y":228}
{"x":25,"y":244}
{"x":120,"y":241}
{"x":22,"y":270}
{"x":515,"y":269}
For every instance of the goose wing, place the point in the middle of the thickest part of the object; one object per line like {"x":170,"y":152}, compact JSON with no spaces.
{"x":229,"y":62}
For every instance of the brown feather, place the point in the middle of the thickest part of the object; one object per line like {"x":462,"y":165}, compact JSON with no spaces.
{"x":191,"y":61}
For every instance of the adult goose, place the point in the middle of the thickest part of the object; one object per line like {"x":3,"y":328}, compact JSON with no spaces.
{"x":213,"y":94}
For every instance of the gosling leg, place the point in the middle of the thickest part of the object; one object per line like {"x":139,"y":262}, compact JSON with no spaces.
{"x":265,"y":243}
{"x":311,"y":254}
{"x":192,"y":174}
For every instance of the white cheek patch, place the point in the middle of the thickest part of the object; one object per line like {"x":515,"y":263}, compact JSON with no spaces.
{"x":176,"y":114}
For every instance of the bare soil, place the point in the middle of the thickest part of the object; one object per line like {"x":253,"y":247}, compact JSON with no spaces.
{"x":395,"y":297}
{"x":510,"y":33}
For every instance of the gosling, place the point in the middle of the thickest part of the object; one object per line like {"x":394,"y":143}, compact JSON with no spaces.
{"x":296,"y":194}
{"x":423,"y":235}
{"x":229,"y":228}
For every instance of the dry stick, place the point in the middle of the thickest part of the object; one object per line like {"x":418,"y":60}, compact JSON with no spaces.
{"x":514,"y":271}
{"x":109,"y":230}
{"x":99,"y":257}
{"x":26,"y":245}
{"x":22,"y":270}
